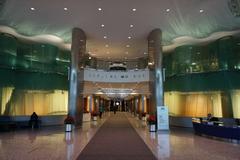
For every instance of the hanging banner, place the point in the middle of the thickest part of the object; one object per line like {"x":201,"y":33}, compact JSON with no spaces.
{"x":162,"y":118}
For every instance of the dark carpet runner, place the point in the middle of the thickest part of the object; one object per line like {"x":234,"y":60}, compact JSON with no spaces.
{"x":116,"y":140}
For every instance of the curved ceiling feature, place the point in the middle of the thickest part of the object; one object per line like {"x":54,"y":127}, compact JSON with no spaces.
{"x":108,"y":30}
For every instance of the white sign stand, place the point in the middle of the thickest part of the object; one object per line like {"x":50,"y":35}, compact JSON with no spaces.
{"x":162,"y":118}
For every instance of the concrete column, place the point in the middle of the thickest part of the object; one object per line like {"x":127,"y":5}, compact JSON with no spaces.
{"x":143,"y":103}
{"x":90,"y":103}
{"x":155,"y":66}
{"x":75,"y":96}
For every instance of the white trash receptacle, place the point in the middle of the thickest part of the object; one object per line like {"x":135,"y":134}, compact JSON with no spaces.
{"x":68,"y":127}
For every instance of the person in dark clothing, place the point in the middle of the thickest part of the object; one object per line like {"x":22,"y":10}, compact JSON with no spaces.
{"x":34,"y":121}
{"x":114,"y":109}
{"x":101,"y":110}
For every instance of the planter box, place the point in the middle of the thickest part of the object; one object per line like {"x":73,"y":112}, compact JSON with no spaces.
{"x":68,"y":127}
{"x":86,"y":117}
{"x":94,"y":118}
{"x":144,"y":118}
{"x":152,"y":127}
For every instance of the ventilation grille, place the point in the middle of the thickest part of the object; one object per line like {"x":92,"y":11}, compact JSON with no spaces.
{"x":234,"y":6}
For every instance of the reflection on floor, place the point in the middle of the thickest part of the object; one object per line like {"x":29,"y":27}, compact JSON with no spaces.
{"x":52,"y":143}
{"x":47,"y":143}
{"x":183,"y":144}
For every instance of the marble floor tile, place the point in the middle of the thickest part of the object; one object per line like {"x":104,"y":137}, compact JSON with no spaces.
{"x":183,"y":144}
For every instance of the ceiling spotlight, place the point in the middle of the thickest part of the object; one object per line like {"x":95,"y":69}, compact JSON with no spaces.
{"x":89,"y":57}
{"x":105,"y":37}
{"x":102,"y":25}
{"x":131,"y":25}
{"x":134,"y":9}
{"x":99,"y":9}
{"x":201,"y":10}
{"x":168,"y":10}
{"x":33,"y":9}
{"x":129,"y":37}
{"x":127,"y":45}
{"x":106,"y":45}
{"x":65,"y":9}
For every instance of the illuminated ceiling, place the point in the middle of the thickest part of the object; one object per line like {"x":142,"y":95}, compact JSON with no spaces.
{"x":182,"y":22}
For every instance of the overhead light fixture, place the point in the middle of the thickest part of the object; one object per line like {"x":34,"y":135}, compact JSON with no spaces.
{"x":33,"y":9}
{"x":65,"y":9}
{"x":193,"y":63}
{"x":89,"y":57}
{"x":150,"y":63}
{"x":102,"y":25}
{"x":201,"y":10}
{"x":168,"y":10}
{"x":131,"y":25}
{"x":134,"y":9}
{"x":105,"y":37}
{"x":127,"y":45}
{"x":106,"y":45}
{"x":129,"y":37}
{"x":99,"y":9}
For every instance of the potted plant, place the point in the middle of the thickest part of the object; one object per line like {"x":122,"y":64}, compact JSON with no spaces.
{"x":152,"y":123}
{"x":69,"y":121}
{"x":94,"y":115}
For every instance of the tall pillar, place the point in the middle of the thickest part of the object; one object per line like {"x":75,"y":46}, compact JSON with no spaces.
{"x":155,"y":66}
{"x":75,"y":96}
{"x":143,"y":104}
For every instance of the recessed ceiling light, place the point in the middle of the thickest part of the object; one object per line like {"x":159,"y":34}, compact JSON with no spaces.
{"x":129,"y":37}
{"x":33,"y":9}
{"x":99,"y":9}
{"x":89,"y":57}
{"x":65,"y":9}
{"x":201,"y":10}
{"x":127,"y":45}
{"x":102,"y":25}
{"x":134,"y":9}
{"x":131,"y":25}
{"x":168,"y":10}
{"x":106,"y":45}
{"x":105,"y":37}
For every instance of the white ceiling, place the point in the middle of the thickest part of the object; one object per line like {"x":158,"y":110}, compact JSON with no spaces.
{"x":183,"y":24}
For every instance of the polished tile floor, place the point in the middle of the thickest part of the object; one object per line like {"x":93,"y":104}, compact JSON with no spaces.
{"x":52,"y":143}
